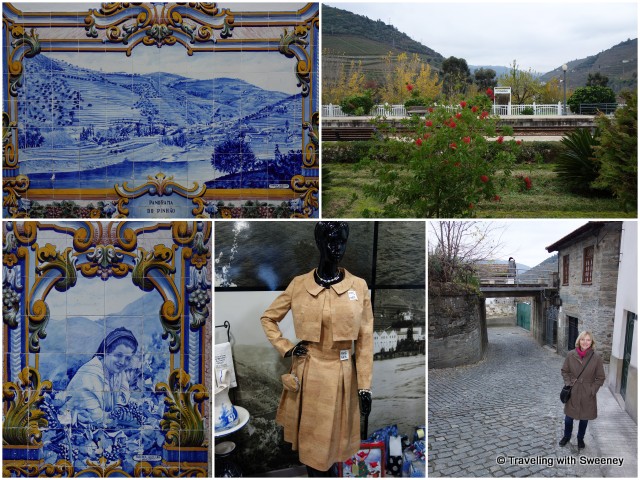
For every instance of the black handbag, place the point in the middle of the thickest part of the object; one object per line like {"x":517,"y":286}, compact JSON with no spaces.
{"x":565,"y":393}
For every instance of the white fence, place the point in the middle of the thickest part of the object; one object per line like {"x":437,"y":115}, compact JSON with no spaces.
{"x":332,"y":111}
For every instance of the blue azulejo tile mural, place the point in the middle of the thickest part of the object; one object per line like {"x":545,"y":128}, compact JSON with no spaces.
{"x":160,"y":110}
{"x":106,"y":334}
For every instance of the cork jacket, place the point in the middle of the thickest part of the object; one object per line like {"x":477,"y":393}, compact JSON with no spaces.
{"x":582,"y":404}
{"x":351,"y":317}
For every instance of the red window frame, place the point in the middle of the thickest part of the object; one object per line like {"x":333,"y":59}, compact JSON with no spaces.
{"x":587,"y":265}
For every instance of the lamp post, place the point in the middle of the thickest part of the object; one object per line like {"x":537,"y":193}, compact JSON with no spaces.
{"x":564,"y":83}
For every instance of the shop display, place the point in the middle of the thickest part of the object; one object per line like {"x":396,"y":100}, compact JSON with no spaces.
{"x":258,"y":269}
{"x":331,"y":309}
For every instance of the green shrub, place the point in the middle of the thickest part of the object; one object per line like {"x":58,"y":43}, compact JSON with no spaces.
{"x":577,"y":167}
{"x":533,"y":152}
{"x":416,"y":102}
{"x":617,"y":153}
{"x":527,"y":111}
{"x":360,"y":104}
{"x":590,"y":95}
{"x":388,"y":151}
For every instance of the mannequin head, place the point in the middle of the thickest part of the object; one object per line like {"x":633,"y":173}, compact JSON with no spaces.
{"x":331,"y":239}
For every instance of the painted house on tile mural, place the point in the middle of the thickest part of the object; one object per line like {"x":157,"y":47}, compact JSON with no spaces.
{"x":588,"y":267}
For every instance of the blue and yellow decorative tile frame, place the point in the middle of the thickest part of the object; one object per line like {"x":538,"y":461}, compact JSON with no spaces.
{"x":106,"y":357}
{"x":160,"y":110}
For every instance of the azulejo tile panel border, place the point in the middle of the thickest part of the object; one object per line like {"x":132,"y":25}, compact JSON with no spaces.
{"x":160,"y":110}
{"x":106,"y":334}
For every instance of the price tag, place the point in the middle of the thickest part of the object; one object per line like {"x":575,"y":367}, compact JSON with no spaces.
{"x":344,"y":355}
{"x":352,"y":295}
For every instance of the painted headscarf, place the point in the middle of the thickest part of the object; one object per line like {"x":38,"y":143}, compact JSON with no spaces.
{"x":115,"y":337}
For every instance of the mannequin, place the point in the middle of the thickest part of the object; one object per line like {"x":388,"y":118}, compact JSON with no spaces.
{"x":331,"y":309}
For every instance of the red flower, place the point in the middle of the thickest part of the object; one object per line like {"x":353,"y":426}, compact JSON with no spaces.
{"x":430,"y":109}
{"x":463,"y":104}
{"x":527,"y":183}
{"x":500,"y":139}
{"x":474,"y":109}
{"x":426,"y":136}
{"x":409,"y":87}
{"x":453,"y":145}
{"x":518,"y":142}
{"x":470,"y":206}
{"x":484,"y":114}
{"x":429,"y":123}
{"x":497,"y":198}
{"x":484,"y":178}
{"x":466,"y":139}
{"x":452,"y":124}
{"x":457,"y":164}
{"x":458,"y":115}
{"x":419,"y":142}
{"x":489,"y":91}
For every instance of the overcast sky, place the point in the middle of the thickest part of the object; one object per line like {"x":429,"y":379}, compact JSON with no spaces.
{"x":525,"y":240}
{"x":541,"y":35}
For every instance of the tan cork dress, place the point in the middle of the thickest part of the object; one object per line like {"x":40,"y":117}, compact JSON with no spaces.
{"x":322,"y":421}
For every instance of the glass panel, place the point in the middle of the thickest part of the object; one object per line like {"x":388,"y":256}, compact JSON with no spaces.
{"x":267,"y":255}
{"x":401,"y":257}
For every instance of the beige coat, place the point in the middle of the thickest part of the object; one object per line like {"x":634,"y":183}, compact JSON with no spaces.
{"x":582,"y":404}
{"x":322,"y":421}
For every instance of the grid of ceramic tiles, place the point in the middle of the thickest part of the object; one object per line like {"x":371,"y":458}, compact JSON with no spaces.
{"x":106,"y":348}
{"x":160,"y":110}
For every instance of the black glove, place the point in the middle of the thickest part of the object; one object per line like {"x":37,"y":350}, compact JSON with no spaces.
{"x":365,"y":402}
{"x":300,"y":350}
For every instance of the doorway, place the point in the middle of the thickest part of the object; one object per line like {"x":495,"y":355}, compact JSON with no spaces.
{"x":572,"y":334}
{"x":628,"y":348}
{"x":523,"y":315}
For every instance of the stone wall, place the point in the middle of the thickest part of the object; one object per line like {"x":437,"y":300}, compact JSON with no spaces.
{"x":457,"y":327}
{"x":593,"y":304}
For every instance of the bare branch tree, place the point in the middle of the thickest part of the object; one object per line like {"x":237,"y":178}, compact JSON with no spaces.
{"x":457,"y":246}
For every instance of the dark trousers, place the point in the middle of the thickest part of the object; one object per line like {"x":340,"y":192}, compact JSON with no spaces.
{"x":568,"y":427}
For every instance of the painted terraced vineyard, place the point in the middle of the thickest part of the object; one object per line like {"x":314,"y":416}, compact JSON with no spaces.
{"x":201,"y":120}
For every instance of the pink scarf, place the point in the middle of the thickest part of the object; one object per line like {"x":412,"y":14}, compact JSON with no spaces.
{"x":581,"y":353}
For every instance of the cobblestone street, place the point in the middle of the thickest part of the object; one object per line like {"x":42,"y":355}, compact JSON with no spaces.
{"x":507,"y":407}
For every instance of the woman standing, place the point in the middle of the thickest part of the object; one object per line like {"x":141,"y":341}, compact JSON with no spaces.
{"x":582,"y":404}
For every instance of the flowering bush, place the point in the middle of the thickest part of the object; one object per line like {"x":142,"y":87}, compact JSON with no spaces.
{"x":451,"y":168}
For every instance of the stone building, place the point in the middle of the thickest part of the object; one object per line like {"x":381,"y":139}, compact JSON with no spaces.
{"x":588,"y":263}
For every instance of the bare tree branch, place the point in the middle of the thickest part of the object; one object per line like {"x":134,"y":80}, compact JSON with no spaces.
{"x":457,"y":246}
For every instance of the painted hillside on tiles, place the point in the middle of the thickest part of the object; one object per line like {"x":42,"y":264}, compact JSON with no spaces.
{"x":106,"y":330}
{"x":160,"y":110}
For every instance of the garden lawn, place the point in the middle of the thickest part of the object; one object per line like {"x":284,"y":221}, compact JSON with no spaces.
{"x":342,"y":197}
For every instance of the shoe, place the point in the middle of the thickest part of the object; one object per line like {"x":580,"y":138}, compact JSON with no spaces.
{"x":563,"y":441}
{"x":581,"y":443}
